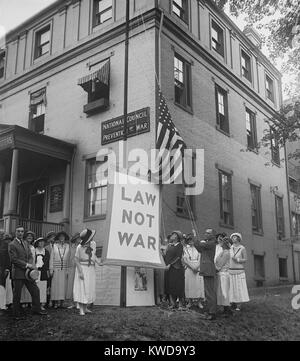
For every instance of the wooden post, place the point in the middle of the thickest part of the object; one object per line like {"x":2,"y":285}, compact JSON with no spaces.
{"x":12,"y":200}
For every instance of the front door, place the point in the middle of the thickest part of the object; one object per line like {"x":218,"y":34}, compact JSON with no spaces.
{"x":32,"y":200}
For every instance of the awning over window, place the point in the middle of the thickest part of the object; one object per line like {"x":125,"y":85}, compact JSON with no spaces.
{"x":38,"y":97}
{"x":99,"y":76}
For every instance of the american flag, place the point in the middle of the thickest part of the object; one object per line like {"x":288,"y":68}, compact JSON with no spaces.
{"x":169,"y":144}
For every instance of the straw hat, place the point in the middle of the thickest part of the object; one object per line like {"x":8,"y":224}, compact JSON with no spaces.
{"x":86,"y":236}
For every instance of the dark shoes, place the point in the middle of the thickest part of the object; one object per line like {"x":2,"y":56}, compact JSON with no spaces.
{"x":40,"y":313}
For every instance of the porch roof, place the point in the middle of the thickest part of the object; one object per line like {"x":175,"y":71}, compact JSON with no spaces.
{"x":14,"y":136}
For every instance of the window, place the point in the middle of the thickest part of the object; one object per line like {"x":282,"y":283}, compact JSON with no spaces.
{"x":180,"y":8}
{"x":226,"y":204}
{"x":275,"y":153}
{"x":251,"y":129}
{"x":102,"y":11}
{"x":279,"y":216}
{"x":222,"y":109}
{"x":296,"y":223}
{"x":269,"y":88}
{"x":2,"y":64}
{"x":246,"y":65}
{"x":217,"y":38}
{"x":184,"y":203}
{"x":256,"y":210}
{"x":283,"y":270}
{"x":96,"y":197}
{"x":294,"y":185}
{"x":259,"y":267}
{"x":42,"y":42}
{"x":37,"y":111}
{"x":182,"y":78}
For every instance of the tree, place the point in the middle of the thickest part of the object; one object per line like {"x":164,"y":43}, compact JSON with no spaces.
{"x":281,"y":20}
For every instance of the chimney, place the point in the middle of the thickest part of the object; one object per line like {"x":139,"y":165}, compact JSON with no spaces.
{"x":253,"y":36}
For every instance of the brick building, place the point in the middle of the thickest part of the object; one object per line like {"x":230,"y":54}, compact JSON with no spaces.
{"x":62,"y":76}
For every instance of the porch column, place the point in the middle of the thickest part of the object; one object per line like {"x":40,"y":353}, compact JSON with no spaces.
{"x":66,"y":206}
{"x":12,"y":199}
{"x":11,"y":218}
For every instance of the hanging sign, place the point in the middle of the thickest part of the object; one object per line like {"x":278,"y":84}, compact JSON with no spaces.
{"x":138,"y":122}
{"x":134,"y":214}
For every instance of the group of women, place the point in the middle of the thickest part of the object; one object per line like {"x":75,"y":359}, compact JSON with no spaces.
{"x":183,"y":283}
{"x":66,"y":270}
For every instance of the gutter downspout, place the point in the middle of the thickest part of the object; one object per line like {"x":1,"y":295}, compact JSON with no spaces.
{"x":289,"y":209}
{"x":159,"y":43}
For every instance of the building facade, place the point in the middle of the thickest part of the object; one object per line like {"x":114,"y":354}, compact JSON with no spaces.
{"x":62,"y":82}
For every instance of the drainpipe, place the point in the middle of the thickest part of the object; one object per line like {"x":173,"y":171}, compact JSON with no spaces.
{"x":71,"y":191}
{"x":289,"y":209}
{"x":159,"y":44}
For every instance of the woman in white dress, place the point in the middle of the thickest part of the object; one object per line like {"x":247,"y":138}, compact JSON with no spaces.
{"x":29,"y":237}
{"x":238,"y":292}
{"x":84,"y":291}
{"x":194,"y":284}
{"x":58,"y":269}
{"x":222,"y":263}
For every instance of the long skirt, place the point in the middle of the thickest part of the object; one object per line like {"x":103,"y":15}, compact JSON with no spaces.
{"x":9,"y":291}
{"x":238,"y":291}
{"x":2,"y":298}
{"x":70,"y":283}
{"x":175,"y":282}
{"x":159,"y":275}
{"x":194,"y":284}
{"x":42,"y":285}
{"x":223,"y":285}
{"x":25,"y":295}
{"x":59,"y":285}
{"x":85,"y":290}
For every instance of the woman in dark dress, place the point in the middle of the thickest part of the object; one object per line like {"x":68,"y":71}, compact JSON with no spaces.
{"x":42,"y":258}
{"x":175,"y":273}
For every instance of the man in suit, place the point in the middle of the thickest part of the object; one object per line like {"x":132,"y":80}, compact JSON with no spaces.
{"x":22,"y":260}
{"x":207,"y":248}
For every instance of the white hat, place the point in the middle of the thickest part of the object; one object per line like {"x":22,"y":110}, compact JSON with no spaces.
{"x":238,"y":235}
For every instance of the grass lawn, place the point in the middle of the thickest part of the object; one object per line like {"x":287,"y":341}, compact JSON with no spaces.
{"x":265,"y":317}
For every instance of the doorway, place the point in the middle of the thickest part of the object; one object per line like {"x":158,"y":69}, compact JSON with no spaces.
{"x":32,"y":198}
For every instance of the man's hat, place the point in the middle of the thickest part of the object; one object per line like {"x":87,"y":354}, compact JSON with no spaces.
{"x":36,"y":242}
{"x":62,"y":233}
{"x":86,"y":236}
{"x":32,"y":274}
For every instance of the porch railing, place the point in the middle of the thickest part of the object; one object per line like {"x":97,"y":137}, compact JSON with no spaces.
{"x":40,"y":228}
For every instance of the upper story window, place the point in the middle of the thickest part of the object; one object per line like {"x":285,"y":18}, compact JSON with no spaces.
{"x":256,"y":209}
{"x":180,"y":8}
{"x":2,"y":64}
{"x":246,"y":65}
{"x":269,"y":88}
{"x":275,"y":151}
{"x":97,"y":86}
{"x":103,"y":11}
{"x":222,"y":109}
{"x":42,"y":42}
{"x":184,"y":203}
{"x":37,"y":111}
{"x":251,"y":129}
{"x":182,"y":78}
{"x":217,"y":38}
{"x":279,"y":216}
{"x":294,"y":185}
{"x":226,"y":201}
{"x":296,"y":224}
{"x":96,"y":188}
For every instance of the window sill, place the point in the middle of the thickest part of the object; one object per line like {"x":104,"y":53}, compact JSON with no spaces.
{"x":96,"y":106}
{"x":257,"y":233}
{"x":94,"y":218}
{"x":283,"y":279}
{"x":188,"y":110}
{"x":222,"y":131}
{"x":226,"y":225}
{"x":259,"y":279}
{"x":253,"y":150}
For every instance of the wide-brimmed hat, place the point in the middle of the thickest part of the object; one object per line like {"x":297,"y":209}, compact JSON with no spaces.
{"x":36,"y":242}
{"x":179,"y":234}
{"x":86,"y":236}
{"x":226,"y":241}
{"x":223,"y":234}
{"x":76,"y":236}
{"x":32,"y":274}
{"x":62,"y":233}
{"x":50,"y":234}
{"x":238,"y":235}
{"x":28,"y":233}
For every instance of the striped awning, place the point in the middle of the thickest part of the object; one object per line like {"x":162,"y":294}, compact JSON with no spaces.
{"x":99,"y":76}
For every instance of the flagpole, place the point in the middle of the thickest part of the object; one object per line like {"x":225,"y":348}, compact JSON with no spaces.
{"x":123,"y":289}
